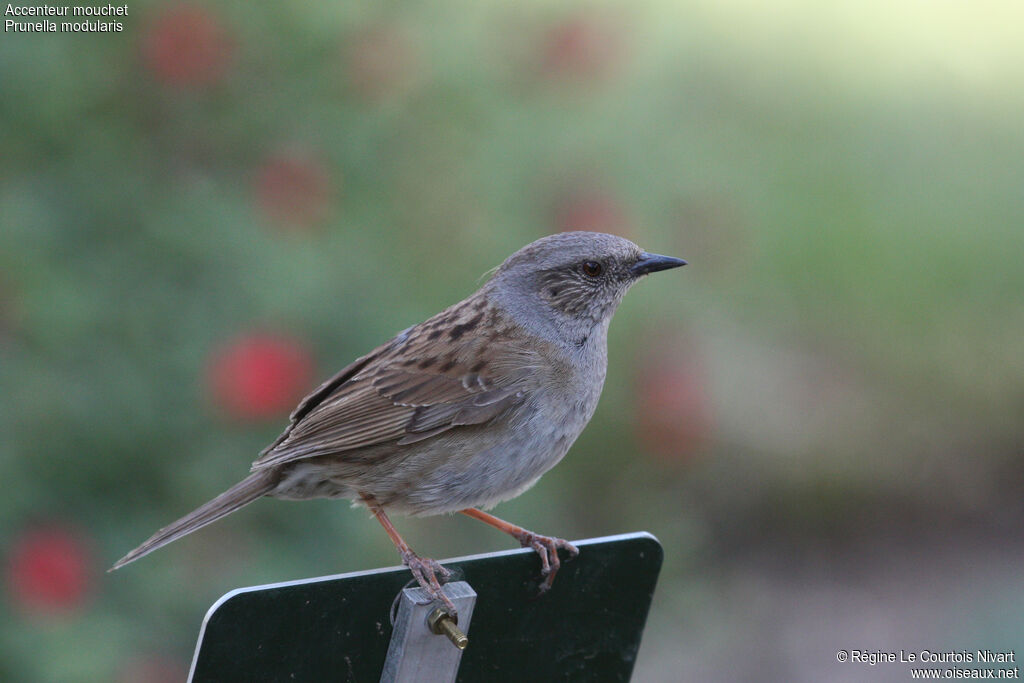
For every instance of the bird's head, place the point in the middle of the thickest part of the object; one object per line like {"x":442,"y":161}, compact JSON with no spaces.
{"x":572,"y":282}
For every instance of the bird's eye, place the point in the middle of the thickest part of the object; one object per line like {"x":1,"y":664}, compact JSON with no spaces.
{"x":592,"y":268}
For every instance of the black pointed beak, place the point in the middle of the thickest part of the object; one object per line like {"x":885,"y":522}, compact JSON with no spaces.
{"x":652,"y":263}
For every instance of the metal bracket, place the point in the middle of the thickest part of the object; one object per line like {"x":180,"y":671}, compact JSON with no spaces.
{"x":426,"y":643}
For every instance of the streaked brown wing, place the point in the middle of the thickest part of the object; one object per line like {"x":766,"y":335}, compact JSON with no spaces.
{"x":383,"y":398}
{"x":320,"y":394}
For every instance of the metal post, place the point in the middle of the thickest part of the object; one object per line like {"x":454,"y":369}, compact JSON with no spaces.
{"x":426,"y":644}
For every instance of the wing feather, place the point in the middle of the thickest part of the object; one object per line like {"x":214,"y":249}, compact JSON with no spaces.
{"x":404,"y":392}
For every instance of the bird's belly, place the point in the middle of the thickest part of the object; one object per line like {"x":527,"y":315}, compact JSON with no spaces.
{"x":486,"y":476}
{"x":472,"y":466}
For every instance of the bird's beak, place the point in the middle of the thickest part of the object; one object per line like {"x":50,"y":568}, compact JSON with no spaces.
{"x":652,"y":263}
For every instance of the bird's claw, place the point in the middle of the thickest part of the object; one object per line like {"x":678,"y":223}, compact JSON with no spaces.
{"x":426,"y":573}
{"x":547,"y":547}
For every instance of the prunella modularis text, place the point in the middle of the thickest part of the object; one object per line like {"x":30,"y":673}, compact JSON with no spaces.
{"x":462,"y":411}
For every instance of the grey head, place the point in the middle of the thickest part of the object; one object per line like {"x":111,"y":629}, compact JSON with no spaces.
{"x":566,"y":286}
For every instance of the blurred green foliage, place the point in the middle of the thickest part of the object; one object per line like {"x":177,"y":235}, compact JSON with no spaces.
{"x":844,"y":180}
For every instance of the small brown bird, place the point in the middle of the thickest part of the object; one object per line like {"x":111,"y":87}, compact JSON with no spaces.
{"x":462,"y":411}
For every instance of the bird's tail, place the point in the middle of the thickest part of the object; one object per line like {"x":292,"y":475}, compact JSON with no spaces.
{"x":244,"y":492}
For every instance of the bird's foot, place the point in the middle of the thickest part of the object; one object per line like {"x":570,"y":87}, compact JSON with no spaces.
{"x":547,"y":547}
{"x":426,"y":573}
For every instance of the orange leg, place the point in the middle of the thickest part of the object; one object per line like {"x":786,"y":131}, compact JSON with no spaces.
{"x":423,"y":569}
{"x":545,"y":546}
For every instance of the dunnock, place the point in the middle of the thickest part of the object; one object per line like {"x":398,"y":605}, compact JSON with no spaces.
{"x":462,"y":411}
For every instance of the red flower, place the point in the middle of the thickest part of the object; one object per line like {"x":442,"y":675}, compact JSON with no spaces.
{"x":592,"y":209}
{"x":48,"y":570}
{"x":584,"y":46}
{"x":186,"y":46}
{"x":260,"y":376}
{"x":295,"y":191}
{"x":674,"y":412}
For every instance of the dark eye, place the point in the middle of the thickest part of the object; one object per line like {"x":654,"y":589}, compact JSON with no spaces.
{"x":592,"y":268}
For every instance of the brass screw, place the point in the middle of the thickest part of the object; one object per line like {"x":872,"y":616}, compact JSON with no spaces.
{"x":442,"y":623}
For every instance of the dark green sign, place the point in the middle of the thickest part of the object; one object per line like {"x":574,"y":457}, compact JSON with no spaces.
{"x":587,"y":628}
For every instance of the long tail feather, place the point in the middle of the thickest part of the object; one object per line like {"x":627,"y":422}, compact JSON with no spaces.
{"x":249,"y":489}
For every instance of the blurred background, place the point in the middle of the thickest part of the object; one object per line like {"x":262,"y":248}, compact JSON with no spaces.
{"x":204,"y":215}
